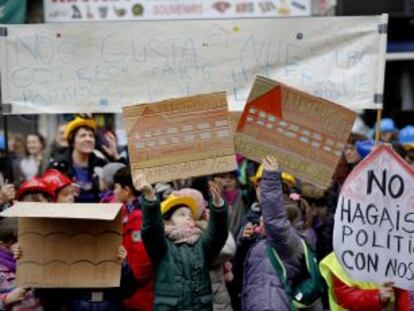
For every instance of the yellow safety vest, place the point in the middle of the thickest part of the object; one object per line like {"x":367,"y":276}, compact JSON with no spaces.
{"x":331,"y":265}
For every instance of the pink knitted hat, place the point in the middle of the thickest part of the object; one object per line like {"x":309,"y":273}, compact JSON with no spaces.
{"x":197,"y":196}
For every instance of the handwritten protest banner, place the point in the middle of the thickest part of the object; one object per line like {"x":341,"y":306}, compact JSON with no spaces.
{"x":180,"y":138}
{"x":91,"y":67}
{"x":305,"y":133}
{"x":374,"y":221}
{"x":104,"y":10}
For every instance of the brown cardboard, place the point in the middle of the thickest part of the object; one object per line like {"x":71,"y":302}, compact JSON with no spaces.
{"x":68,"y":245}
{"x":180,"y":138}
{"x":234,"y":119}
{"x":305,"y":133}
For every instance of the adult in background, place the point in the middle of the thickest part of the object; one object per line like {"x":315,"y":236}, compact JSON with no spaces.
{"x":234,"y":198}
{"x":79,"y":161}
{"x":406,"y":140}
{"x":59,"y":144}
{"x":106,"y":181}
{"x":389,"y":132}
{"x":30,"y":165}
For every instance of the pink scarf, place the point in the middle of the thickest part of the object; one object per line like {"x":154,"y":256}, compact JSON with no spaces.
{"x":231,"y":196}
{"x":187,"y":235}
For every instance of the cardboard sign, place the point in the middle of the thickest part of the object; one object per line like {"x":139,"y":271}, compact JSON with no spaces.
{"x":235,"y":119}
{"x":305,"y":133}
{"x":374,"y":221}
{"x":121,"y":10}
{"x":180,"y":138}
{"x":90,"y":67}
{"x":68,"y":245}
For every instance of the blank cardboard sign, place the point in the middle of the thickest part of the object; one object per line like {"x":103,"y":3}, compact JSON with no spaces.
{"x":305,"y":133}
{"x":68,"y":245}
{"x":180,"y":138}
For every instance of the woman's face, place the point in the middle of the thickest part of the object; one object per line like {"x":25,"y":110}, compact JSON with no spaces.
{"x":60,"y":136}
{"x":351,"y":154}
{"x":33,"y":145}
{"x":229,"y":182}
{"x":182,"y":218}
{"x":84,"y":141}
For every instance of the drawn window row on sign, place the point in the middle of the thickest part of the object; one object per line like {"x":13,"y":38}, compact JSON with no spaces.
{"x":183,"y":129}
{"x":183,"y":139}
{"x":294,"y":131}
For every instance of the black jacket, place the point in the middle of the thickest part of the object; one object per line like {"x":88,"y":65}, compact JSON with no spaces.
{"x":64,"y":163}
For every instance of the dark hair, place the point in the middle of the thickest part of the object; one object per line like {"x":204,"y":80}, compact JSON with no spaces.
{"x":233,"y":174}
{"x":299,"y":210}
{"x":71,"y":139}
{"x":8,"y":230}
{"x":35,"y":196}
{"x":123,"y":177}
{"x":353,"y":137}
{"x":41,"y":140}
{"x":399,"y":149}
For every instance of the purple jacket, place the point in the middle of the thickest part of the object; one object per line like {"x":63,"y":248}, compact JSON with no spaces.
{"x":262,"y":290}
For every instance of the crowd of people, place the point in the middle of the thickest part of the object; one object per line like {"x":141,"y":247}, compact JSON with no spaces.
{"x":254,"y":239}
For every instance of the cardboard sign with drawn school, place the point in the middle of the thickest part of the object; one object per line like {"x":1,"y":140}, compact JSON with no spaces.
{"x":68,"y":245}
{"x":374,"y":221}
{"x":180,"y":138}
{"x":305,"y":133}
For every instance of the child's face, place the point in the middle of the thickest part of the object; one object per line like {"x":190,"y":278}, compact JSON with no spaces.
{"x":121,"y":194}
{"x":386,"y":137}
{"x":34,"y":197}
{"x":351,"y":154}
{"x":66,"y":195}
{"x":182,"y":218}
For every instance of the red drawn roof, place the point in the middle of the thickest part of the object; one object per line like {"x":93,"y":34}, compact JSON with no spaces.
{"x":270,"y":102}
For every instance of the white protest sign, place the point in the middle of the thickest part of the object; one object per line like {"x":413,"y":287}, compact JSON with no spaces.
{"x":101,"y":67}
{"x":104,"y":10}
{"x":374,"y":221}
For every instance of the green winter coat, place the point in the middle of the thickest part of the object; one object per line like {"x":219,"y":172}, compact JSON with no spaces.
{"x":182,"y":271}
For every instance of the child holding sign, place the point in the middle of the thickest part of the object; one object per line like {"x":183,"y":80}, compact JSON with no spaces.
{"x":12,"y":297}
{"x":346,"y":294}
{"x":275,"y":266}
{"x":181,"y":254}
{"x":55,"y":186}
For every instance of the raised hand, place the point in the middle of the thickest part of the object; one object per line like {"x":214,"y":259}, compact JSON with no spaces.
{"x":248,"y":231}
{"x":7,"y":193}
{"x":16,"y":295}
{"x":270,"y":164}
{"x":122,"y":253}
{"x":17,"y":251}
{"x":215,"y":192}
{"x":386,"y":292}
{"x":141,"y":184}
{"x":111,"y":148}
